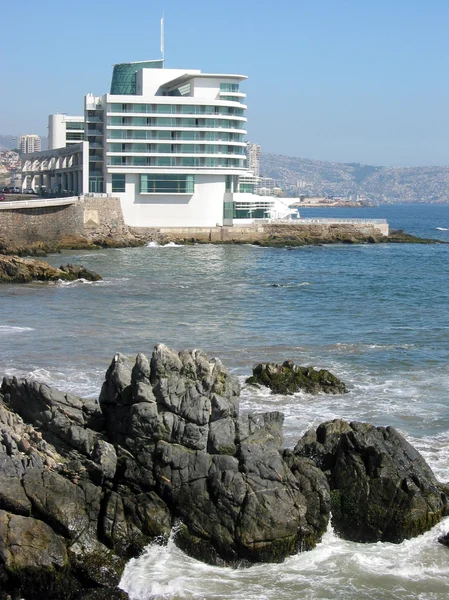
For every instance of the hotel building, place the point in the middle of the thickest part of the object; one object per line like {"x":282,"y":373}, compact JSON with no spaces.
{"x":168,"y":142}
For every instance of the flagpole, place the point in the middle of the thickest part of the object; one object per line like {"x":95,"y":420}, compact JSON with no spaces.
{"x":162,"y":37}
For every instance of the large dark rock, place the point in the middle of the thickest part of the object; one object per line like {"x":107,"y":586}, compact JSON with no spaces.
{"x":222,"y":473}
{"x":24,"y":270}
{"x":381,"y":487}
{"x":289,"y":378}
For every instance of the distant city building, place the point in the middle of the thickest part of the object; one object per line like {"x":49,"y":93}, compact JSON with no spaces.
{"x":253,"y":156}
{"x":29,"y":143}
{"x":64,"y":130}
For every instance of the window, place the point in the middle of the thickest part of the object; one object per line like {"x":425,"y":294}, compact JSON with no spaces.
{"x":167,"y":184}
{"x":72,"y":136}
{"x":118,"y":182}
{"x":229,"y":87}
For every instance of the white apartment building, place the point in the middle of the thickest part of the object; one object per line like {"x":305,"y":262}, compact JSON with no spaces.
{"x":64,"y":130}
{"x":168,"y":142}
{"x":29,"y":143}
{"x":253,"y":154}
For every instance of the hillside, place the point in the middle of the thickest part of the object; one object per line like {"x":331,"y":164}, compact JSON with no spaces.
{"x":379,"y":184}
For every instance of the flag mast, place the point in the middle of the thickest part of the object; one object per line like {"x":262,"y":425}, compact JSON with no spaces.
{"x":162,"y":37}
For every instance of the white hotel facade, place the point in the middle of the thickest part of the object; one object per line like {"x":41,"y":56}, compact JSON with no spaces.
{"x":170,"y":143}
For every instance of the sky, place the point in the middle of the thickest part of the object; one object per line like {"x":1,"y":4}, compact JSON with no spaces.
{"x":342,"y":81}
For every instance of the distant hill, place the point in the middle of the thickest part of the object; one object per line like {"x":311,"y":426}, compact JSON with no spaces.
{"x":299,"y":176}
{"x":8,"y":142}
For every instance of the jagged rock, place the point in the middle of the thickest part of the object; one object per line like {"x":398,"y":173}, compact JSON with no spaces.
{"x":289,"y":378}
{"x":24,"y":270}
{"x":222,"y":473}
{"x":96,"y":482}
{"x":381,"y":487}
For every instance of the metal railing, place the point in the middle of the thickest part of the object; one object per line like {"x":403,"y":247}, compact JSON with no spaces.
{"x":39,"y":202}
{"x":337,"y":220}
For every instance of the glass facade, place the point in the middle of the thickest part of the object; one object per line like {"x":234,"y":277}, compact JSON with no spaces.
{"x":172,"y":161}
{"x":72,"y":136}
{"x":167,"y":184}
{"x":177,"y":149}
{"x":208,"y":136}
{"x":229,"y":87}
{"x":118,"y":182}
{"x":176,"y":122}
{"x":172,"y":109}
{"x":124,"y":75}
{"x":70,"y":125}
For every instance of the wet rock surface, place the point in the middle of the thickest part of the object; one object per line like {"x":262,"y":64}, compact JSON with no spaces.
{"x":91,"y":483}
{"x":381,"y":487}
{"x":14,"y":269}
{"x":289,"y":378}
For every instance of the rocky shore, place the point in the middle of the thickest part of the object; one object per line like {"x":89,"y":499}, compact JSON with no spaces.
{"x":85,"y":485}
{"x":275,"y":236}
{"x":14,"y":269}
{"x":72,"y":242}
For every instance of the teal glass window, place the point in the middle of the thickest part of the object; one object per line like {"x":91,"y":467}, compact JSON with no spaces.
{"x":167,"y":184}
{"x":229,"y":87}
{"x":118,"y":182}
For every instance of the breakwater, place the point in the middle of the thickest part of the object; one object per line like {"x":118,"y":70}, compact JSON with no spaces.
{"x":54,"y":221}
{"x":306,"y":230}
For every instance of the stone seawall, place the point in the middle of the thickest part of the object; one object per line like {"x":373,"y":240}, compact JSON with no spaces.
{"x":101,"y":218}
{"x":87,"y":217}
{"x":309,"y":232}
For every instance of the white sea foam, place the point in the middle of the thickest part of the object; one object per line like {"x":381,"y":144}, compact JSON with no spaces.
{"x":76,"y":282}
{"x":168,"y":245}
{"x":13,"y":329}
{"x":83,"y":383}
{"x":334,"y":569}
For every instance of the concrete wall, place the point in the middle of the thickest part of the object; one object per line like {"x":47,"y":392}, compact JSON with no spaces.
{"x":317,"y":232}
{"x":88,"y":217}
{"x":203,"y":208}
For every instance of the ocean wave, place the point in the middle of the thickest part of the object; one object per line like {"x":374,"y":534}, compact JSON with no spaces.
{"x":82,"y":383}
{"x":168,"y":245}
{"x":75,"y":282}
{"x":336,"y":568}
{"x":11,"y":329}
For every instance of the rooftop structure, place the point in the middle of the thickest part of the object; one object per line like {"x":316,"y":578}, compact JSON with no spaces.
{"x":64,"y":130}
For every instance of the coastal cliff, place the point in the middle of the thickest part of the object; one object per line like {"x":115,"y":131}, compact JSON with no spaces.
{"x":86,"y":485}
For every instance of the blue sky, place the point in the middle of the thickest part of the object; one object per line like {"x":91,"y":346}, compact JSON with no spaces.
{"x":345,"y":81}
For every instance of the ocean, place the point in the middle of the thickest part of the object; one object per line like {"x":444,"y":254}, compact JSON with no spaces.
{"x":377,"y":316}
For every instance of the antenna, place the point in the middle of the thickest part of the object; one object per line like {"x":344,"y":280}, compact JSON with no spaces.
{"x":162,"y":36}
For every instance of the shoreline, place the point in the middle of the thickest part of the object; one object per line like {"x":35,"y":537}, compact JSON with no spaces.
{"x":286,"y":237}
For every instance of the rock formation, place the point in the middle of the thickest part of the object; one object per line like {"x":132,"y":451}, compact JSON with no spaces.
{"x":289,"y":378}
{"x":24,"y":270}
{"x":84,"y":486}
{"x":381,"y":487}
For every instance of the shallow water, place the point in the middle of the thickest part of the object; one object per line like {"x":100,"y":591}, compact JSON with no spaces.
{"x":377,"y":316}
